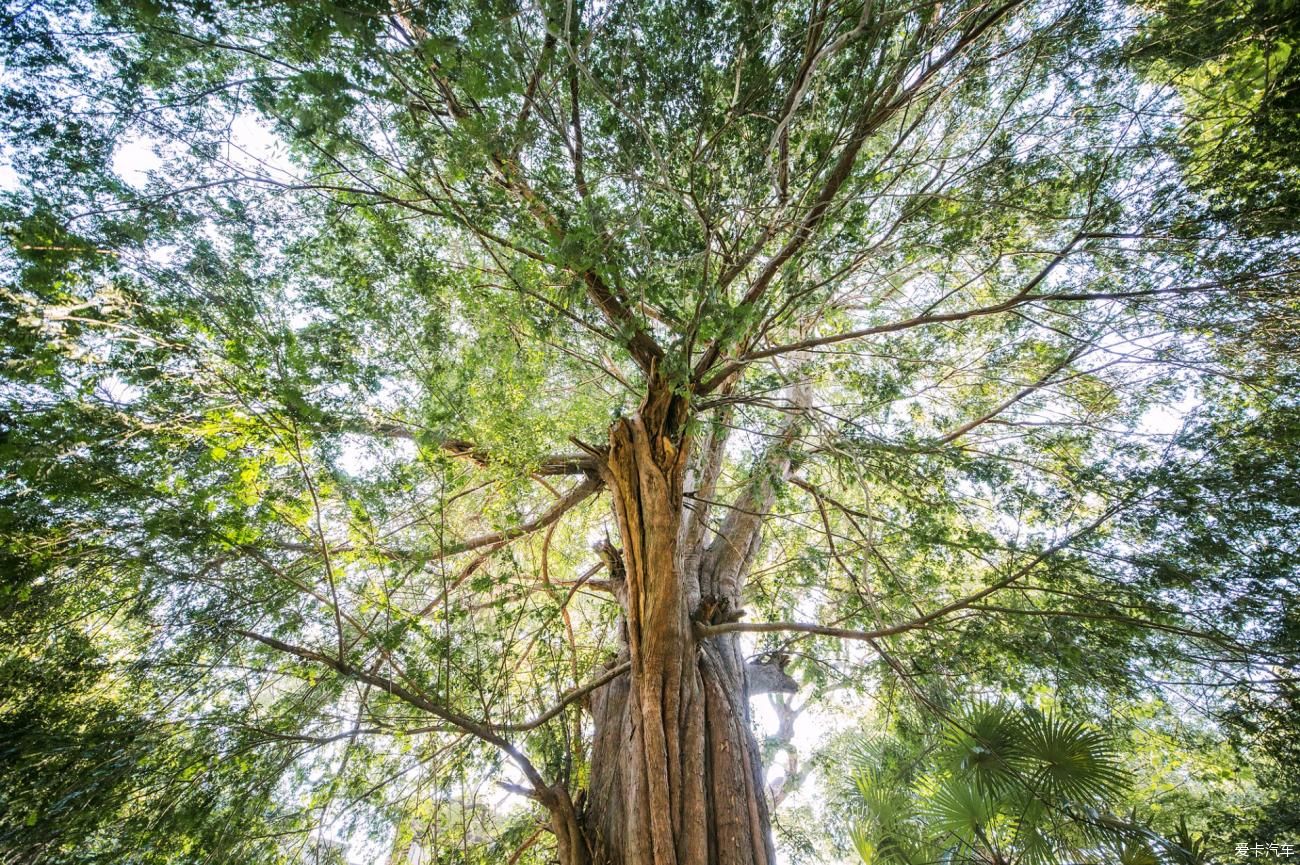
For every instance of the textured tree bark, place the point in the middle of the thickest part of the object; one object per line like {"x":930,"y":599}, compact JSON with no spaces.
{"x":676,"y":777}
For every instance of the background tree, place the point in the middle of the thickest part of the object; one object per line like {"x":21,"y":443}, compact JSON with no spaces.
{"x":461,"y":383}
{"x":1235,"y":68}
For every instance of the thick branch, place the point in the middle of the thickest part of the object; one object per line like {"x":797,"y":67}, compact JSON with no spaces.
{"x":728,"y":556}
{"x":509,"y":176}
{"x":768,"y":678}
{"x":872,"y":117}
{"x":588,"y":486}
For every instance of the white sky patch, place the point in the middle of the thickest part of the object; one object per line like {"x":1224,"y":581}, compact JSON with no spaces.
{"x":134,"y":159}
{"x":8,"y":177}
{"x":360,"y":455}
{"x":119,"y":392}
{"x":356,"y":456}
{"x":812,"y":729}
{"x":253,"y":147}
{"x":1167,"y":420}
{"x":305,"y":316}
{"x":392,"y":392}
{"x":163,"y":256}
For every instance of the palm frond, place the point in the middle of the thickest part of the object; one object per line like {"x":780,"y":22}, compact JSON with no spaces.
{"x":1068,"y":762}
{"x":885,"y":835}
{"x":983,"y":742}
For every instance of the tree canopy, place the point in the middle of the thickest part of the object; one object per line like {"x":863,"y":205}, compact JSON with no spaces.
{"x":957,"y":340}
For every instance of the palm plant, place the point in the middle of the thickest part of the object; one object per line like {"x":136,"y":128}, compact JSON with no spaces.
{"x":1002,"y":785}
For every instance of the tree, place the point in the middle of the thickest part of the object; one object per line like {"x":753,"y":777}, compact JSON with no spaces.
{"x":462,"y":382}
{"x":1234,"y":68}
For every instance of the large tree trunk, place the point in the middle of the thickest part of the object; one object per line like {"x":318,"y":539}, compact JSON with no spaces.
{"x":675,"y":772}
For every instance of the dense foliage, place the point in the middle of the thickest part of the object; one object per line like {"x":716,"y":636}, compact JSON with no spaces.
{"x":313,"y":316}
